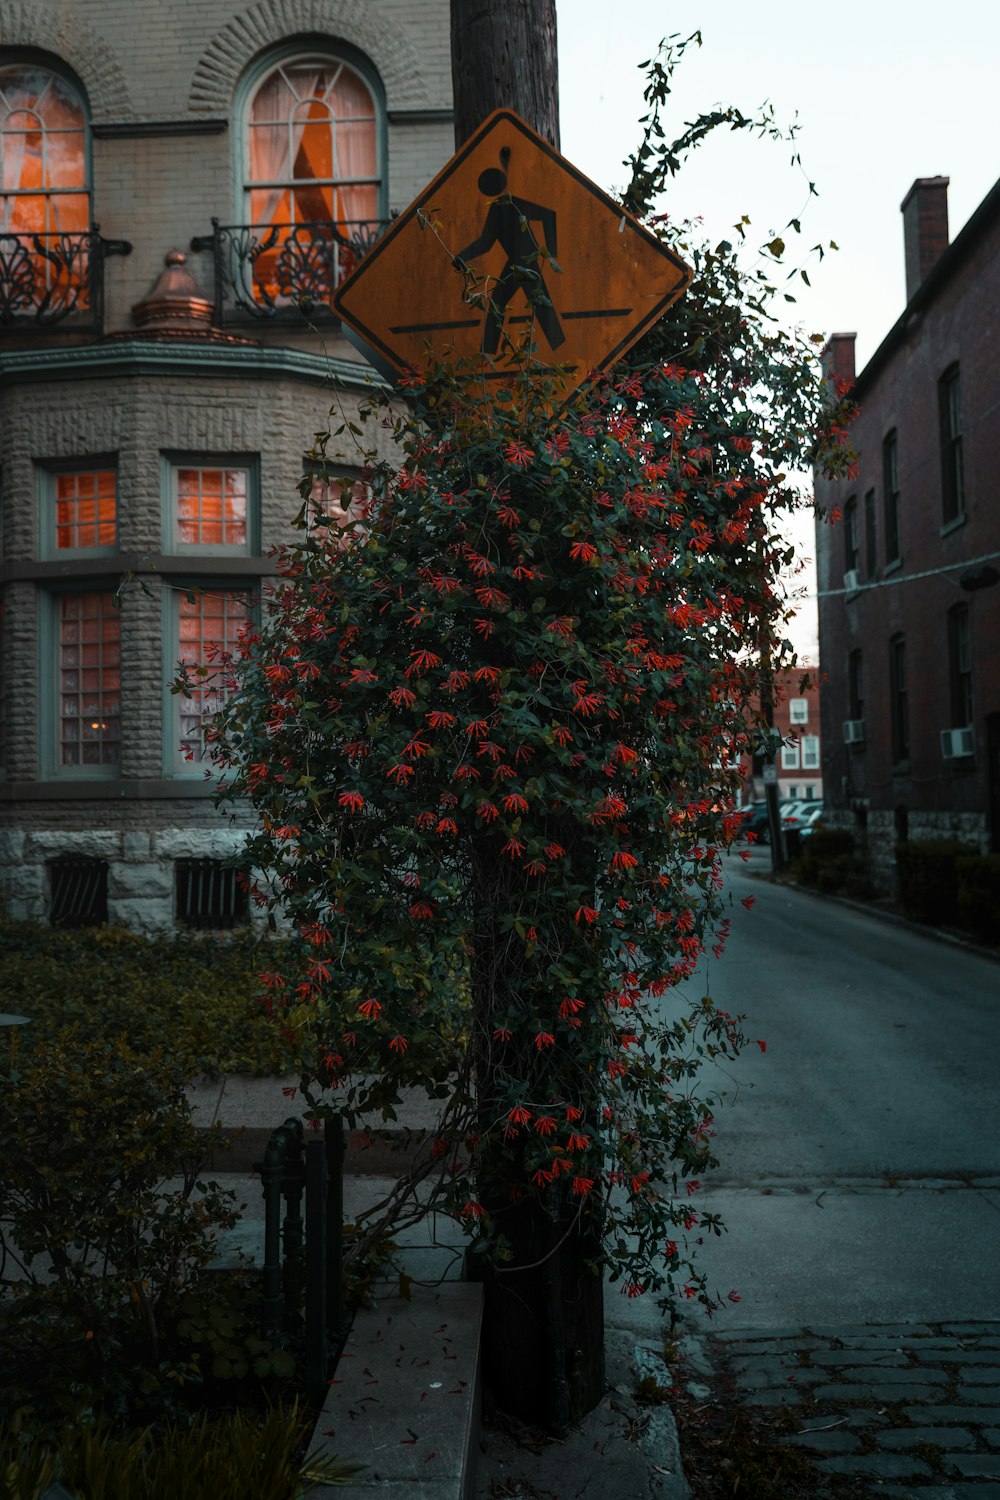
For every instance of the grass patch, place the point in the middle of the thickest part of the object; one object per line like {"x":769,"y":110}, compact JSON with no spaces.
{"x":226,"y":1457}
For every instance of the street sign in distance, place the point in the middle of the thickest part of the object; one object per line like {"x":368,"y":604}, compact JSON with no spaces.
{"x":510,"y":239}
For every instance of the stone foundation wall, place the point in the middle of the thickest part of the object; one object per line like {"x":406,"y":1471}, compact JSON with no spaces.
{"x":141,"y":869}
{"x":877,"y":834}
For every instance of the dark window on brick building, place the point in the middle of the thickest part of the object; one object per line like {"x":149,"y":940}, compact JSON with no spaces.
{"x":78,"y":892}
{"x":952,"y":478}
{"x":855,"y":685}
{"x":851,"y":535}
{"x":209,"y":894}
{"x":871,"y":544}
{"x":898,"y":706}
{"x":960,"y":666}
{"x":890,"y":481}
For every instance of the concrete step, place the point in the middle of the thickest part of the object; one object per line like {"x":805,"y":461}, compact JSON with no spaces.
{"x":405,"y":1398}
{"x":250,"y":1108}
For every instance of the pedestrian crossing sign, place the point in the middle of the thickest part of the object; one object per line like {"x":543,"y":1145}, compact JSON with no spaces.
{"x":509,"y":242}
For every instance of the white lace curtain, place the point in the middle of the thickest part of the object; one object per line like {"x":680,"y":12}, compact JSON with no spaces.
{"x":43,"y":159}
{"x":312,"y":146}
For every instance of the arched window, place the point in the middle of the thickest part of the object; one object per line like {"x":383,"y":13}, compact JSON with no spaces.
{"x":45,"y":238}
{"x":44,"y":187}
{"x":313,"y":182}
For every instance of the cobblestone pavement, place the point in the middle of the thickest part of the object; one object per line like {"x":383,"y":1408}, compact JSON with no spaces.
{"x":913,"y":1409}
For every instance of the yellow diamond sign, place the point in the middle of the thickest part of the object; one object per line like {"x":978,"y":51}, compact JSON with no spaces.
{"x":510,"y":242}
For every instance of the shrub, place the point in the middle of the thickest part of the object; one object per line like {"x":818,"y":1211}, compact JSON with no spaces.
{"x":978,"y":899}
{"x":820,"y":854}
{"x":221,"y":1458}
{"x":928,"y":884}
{"x":199,"y":998}
{"x":103,"y":1222}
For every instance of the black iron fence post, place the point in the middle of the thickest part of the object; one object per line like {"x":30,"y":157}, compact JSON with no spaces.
{"x":293,"y":1233}
{"x":317,"y":1348}
{"x":305,"y":1276}
{"x":336,"y":1306}
{"x":281,"y":1165}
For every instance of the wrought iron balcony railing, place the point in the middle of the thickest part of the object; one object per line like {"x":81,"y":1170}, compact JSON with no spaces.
{"x":267,"y":270}
{"x":47,"y":279}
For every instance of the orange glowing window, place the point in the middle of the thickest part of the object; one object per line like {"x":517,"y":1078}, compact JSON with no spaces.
{"x":211,"y":507}
{"x":313,"y":146}
{"x":89,"y":648}
{"x":85,"y":510}
{"x":43,"y":153}
{"x":313,"y":165}
{"x":334,"y":503}
{"x":209,"y":626}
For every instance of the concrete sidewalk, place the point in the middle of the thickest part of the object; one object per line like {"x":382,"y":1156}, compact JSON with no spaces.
{"x":410,"y":1424}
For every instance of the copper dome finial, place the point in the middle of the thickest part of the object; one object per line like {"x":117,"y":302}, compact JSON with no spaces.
{"x":176,"y":301}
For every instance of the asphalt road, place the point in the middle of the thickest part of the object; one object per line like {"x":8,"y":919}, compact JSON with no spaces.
{"x":860,"y":1156}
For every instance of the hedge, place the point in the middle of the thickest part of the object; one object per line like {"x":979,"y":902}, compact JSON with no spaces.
{"x":978,"y":899}
{"x":928,"y":879}
{"x":829,"y":862}
{"x":197,"y":998}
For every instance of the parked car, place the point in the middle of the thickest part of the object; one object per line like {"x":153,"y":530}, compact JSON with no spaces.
{"x":811,"y":820}
{"x":795,"y":814}
{"x":754,"y":817}
{"x":756,"y":821}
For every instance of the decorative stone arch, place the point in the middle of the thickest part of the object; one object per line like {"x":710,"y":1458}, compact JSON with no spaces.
{"x":269,"y":23}
{"x":56,"y":31}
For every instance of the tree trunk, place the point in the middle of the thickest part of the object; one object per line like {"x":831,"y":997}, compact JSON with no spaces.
{"x":543,"y":1310}
{"x":543,"y":1326}
{"x":543,"y":1314}
{"x":503,"y":56}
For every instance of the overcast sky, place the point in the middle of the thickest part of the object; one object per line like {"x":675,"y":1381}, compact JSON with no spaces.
{"x":884,"y":92}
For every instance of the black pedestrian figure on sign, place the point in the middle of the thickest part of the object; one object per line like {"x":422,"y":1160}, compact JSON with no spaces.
{"x":508,"y":222}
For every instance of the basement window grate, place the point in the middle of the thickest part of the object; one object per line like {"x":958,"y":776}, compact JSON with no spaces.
{"x":209,"y":894}
{"x":78,"y":892}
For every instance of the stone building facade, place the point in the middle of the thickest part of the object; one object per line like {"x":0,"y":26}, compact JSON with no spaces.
{"x":183,"y":188}
{"x":909,"y":578}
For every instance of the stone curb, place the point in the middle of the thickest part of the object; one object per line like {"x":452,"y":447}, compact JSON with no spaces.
{"x":405,"y":1399}
{"x":369,"y":1153}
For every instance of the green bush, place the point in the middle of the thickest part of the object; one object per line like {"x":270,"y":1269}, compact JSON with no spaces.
{"x":928,"y":882}
{"x":819,"y":853}
{"x":830,"y":863}
{"x":217,"y":1331}
{"x":196,"y":997}
{"x":238,"y":1456}
{"x":978,"y":899}
{"x":103,"y":1221}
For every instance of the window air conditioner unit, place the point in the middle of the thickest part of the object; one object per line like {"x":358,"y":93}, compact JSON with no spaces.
{"x":958,"y":744}
{"x":852,"y":582}
{"x":854,"y":731}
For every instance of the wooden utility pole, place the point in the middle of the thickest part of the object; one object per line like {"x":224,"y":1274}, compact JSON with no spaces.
{"x":503,"y":56}
{"x":543,"y":1326}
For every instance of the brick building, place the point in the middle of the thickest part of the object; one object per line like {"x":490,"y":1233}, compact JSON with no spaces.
{"x":182,"y":188}
{"x":909,"y":602}
{"x":797,"y":720}
{"x":799,"y":761}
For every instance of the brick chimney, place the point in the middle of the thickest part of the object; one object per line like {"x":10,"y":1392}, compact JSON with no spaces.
{"x":838,"y":361}
{"x":925,"y":228}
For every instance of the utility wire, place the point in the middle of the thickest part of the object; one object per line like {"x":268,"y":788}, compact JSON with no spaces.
{"x":883,"y":583}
